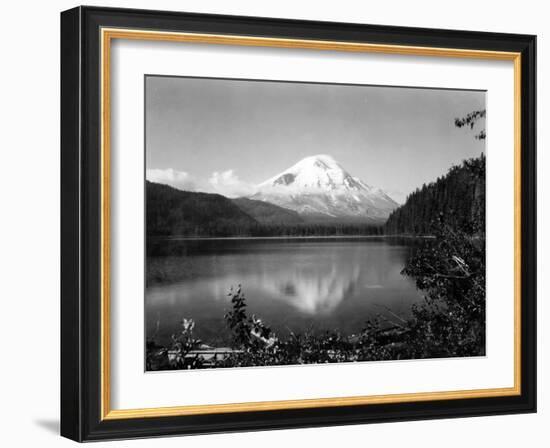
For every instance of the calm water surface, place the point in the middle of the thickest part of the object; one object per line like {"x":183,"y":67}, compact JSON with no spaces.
{"x":291,"y":284}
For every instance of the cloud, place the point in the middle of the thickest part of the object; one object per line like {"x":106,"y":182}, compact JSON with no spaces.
{"x":177,"y":179}
{"x":228,"y":183}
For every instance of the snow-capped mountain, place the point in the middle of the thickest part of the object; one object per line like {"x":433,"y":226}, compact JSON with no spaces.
{"x":320,"y":186}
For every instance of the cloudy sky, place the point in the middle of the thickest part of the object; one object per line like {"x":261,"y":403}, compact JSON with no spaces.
{"x":226,"y":136}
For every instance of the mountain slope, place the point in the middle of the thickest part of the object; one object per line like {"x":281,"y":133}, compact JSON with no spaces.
{"x":320,"y":186}
{"x":456,"y":199}
{"x":172,"y":212}
{"x":267,"y":213}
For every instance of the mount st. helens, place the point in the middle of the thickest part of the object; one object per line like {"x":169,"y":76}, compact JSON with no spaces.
{"x":315,"y":197}
{"x":318,"y":187}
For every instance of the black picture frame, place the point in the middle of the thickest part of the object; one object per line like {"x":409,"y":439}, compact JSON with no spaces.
{"x":81,"y":414}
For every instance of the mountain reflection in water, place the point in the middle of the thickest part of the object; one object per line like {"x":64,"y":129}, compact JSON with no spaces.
{"x":293,"y":285}
{"x":311,"y":291}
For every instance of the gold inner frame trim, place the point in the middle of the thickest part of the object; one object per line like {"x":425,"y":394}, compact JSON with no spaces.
{"x":107,"y":35}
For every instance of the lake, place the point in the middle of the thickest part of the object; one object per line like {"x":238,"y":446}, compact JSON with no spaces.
{"x":294,"y":284}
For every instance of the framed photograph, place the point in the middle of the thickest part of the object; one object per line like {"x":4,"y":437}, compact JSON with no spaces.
{"x":272,"y":224}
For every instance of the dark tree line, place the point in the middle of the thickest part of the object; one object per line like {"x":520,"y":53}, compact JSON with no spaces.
{"x":456,"y":200}
{"x":317,"y":229}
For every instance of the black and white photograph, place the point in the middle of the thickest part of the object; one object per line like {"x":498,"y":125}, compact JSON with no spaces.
{"x":303,"y":223}
{"x":275,"y":220}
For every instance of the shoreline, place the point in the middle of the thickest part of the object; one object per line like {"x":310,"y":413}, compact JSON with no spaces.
{"x":291,"y":237}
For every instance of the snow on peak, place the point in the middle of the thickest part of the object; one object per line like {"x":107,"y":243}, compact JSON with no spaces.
{"x":319,"y":185}
{"x":315,"y":173}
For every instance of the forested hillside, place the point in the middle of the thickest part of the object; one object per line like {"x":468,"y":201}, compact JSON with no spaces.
{"x":172,"y":212}
{"x":456,"y":200}
{"x":266,"y":213}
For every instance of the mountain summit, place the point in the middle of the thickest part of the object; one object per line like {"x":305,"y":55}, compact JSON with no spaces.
{"x":318,"y":186}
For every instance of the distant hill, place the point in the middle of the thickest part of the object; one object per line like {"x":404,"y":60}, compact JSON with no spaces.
{"x":172,"y":212}
{"x":267,"y":213}
{"x":457,"y":199}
